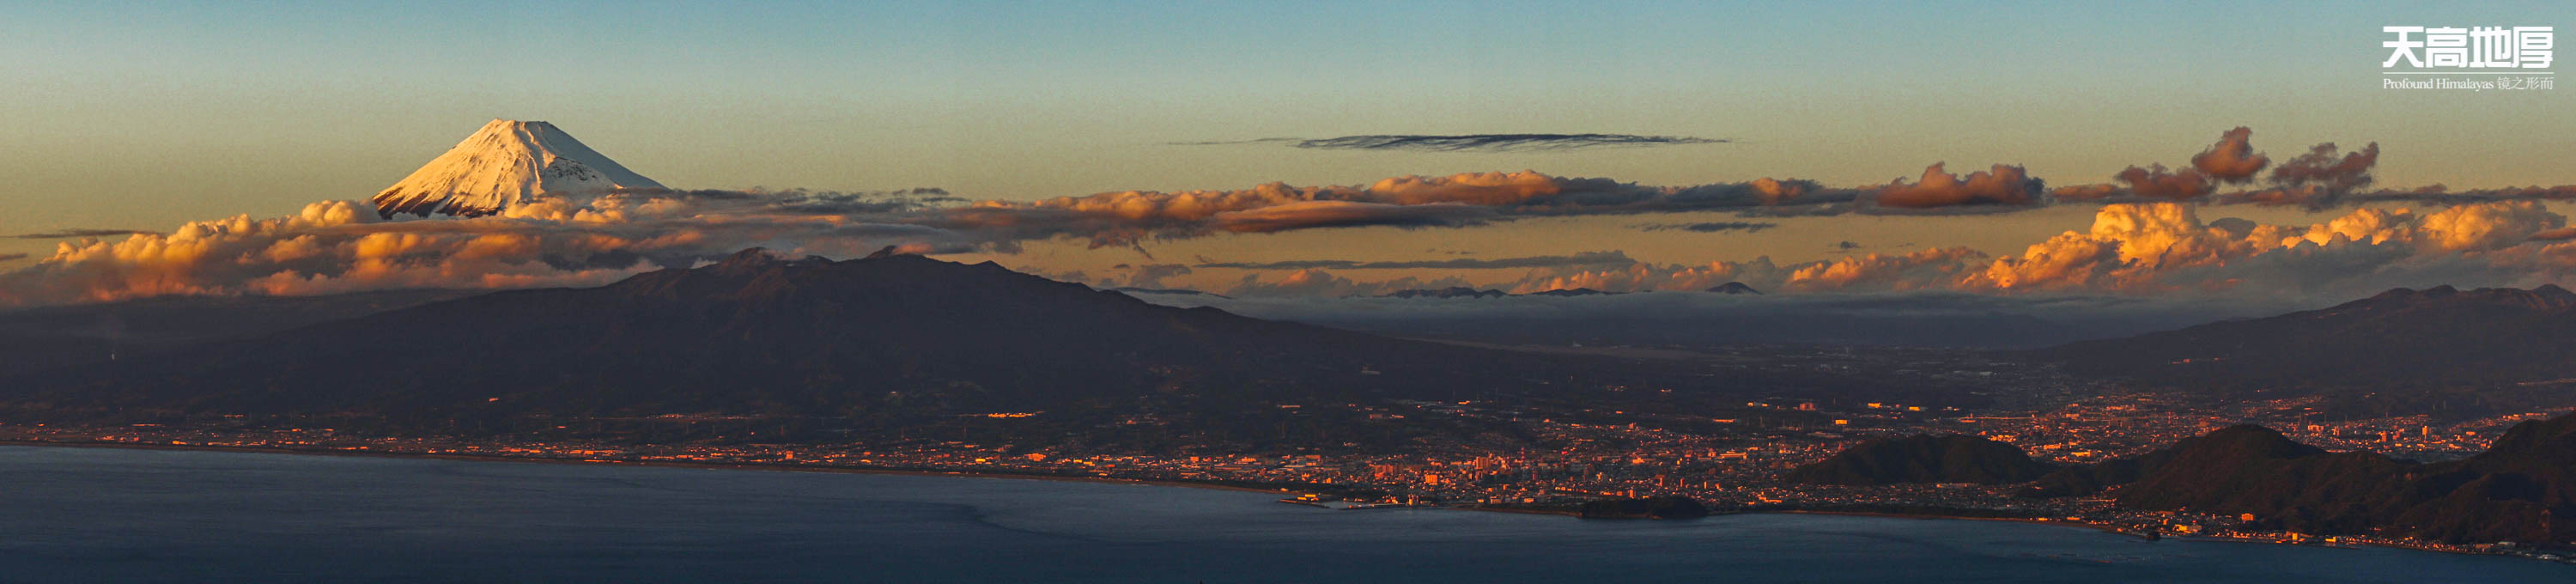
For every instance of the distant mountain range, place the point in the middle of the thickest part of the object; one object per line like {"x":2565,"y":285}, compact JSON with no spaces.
{"x":2476,"y":352}
{"x":1735,"y":288}
{"x":2400,"y":337}
{"x":1465,"y":292}
{"x":61,"y":336}
{"x":894,"y":342}
{"x":761,"y":333}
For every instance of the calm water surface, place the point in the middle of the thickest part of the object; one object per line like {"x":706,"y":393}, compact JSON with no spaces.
{"x":109,"y":515}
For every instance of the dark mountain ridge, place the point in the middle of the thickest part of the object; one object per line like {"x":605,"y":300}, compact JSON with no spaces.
{"x":2522,"y":489}
{"x":1735,"y":288}
{"x":758,"y":333}
{"x":51,"y":337}
{"x":2479,"y":352}
{"x":2396,"y":337}
{"x":891,"y":344}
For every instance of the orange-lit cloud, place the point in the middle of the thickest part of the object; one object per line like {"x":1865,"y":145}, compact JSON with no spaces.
{"x":2155,"y":182}
{"x":2002,"y":185}
{"x":561,"y":240}
{"x":2165,"y":247}
{"x":2323,"y":177}
{"x":340,"y":246}
{"x":2129,"y":248}
{"x":2233,"y":158}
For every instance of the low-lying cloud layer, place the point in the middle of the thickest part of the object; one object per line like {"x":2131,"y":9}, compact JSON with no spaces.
{"x":78,"y":232}
{"x":1475,"y":142}
{"x":1589,"y":258}
{"x":2141,"y":248}
{"x":2147,"y":236}
{"x":1706,"y":226}
{"x":341,"y":246}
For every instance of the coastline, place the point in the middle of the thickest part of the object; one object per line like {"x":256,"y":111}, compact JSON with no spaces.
{"x":2115,"y":529}
{"x":751,"y":466}
{"x":849,"y":469}
{"x":2104,"y":527}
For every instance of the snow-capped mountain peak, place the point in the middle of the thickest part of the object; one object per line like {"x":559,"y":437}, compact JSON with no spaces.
{"x":505,"y":163}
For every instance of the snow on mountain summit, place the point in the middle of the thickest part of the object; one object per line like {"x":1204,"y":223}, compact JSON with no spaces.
{"x":505,"y":163}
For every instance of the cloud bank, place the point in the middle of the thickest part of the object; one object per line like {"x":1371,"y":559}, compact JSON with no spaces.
{"x":2161,"y":248}
{"x":1706,"y":226}
{"x":1589,"y":258}
{"x":77,"y":232}
{"x":342,"y":246}
{"x":2146,"y":237}
{"x":1475,"y":142}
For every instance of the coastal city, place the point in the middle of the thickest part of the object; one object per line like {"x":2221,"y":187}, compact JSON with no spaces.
{"x":1720,"y":465}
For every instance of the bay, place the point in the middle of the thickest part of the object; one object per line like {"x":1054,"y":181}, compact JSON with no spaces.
{"x":138,"y":515}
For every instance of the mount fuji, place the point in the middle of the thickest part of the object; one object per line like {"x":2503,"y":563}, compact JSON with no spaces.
{"x":505,"y":163}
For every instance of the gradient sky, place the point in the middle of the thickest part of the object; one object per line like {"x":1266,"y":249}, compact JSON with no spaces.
{"x":145,"y":115}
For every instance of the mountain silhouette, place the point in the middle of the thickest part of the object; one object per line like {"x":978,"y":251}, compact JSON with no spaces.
{"x":2522,"y":489}
{"x":2483,"y":351}
{"x":893,"y":340}
{"x":1735,"y":288}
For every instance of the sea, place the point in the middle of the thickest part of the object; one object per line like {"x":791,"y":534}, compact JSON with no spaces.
{"x":139,"y":515}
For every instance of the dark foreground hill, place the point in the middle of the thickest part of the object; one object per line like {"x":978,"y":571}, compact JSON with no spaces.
{"x":2398,"y":337}
{"x":1923,"y":459}
{"x":60,"y":336}
{"x":757,"y":333}
{"x":899,"y":342}
{"x":2403,"y":352}
{"x":2522,"y":489}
